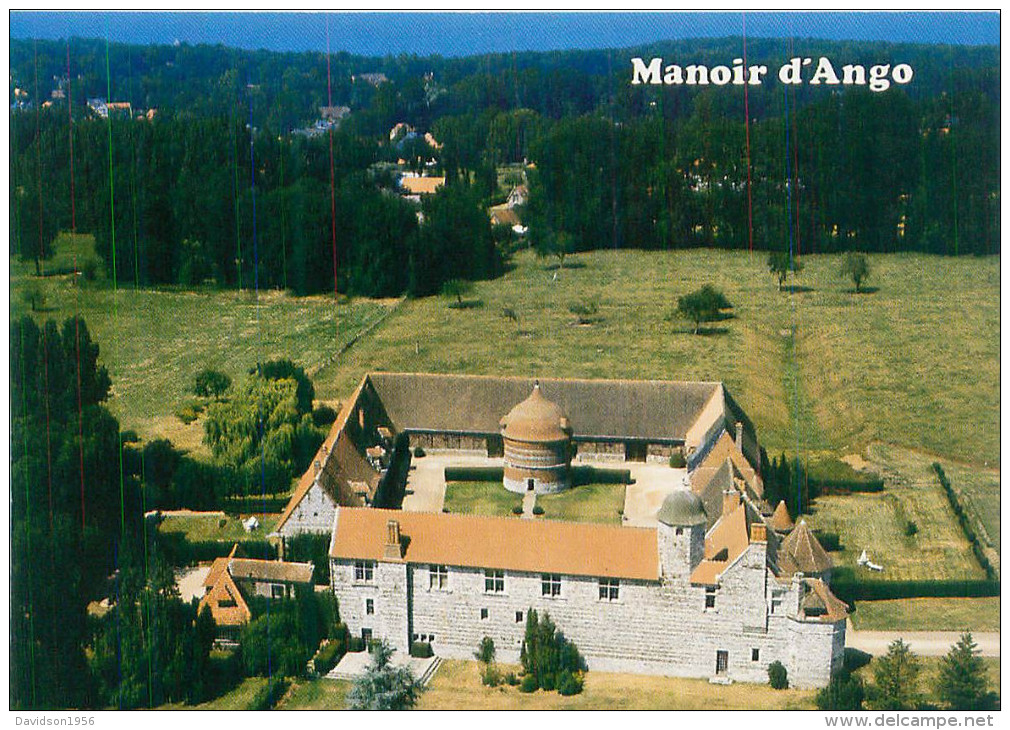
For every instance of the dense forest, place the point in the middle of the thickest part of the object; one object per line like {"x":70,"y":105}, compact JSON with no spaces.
{"x":218,"y":184}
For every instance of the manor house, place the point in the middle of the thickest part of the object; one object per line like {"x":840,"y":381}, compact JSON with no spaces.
{"x":717,"y":583}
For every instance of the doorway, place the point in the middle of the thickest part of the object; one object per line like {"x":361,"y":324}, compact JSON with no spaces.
{"x":721,"y":661}
{"x":529,"y":485}
{"x":635,"y":451}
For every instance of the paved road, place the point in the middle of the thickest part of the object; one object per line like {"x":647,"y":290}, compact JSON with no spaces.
{"x":925,"y":643}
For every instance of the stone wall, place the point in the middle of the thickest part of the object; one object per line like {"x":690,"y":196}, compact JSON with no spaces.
{"x":654,"y":627}
{"x":449,"y":442}
{"x":315,"y":513}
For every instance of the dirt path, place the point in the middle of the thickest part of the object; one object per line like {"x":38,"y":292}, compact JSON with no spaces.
{"x":925,"y":643}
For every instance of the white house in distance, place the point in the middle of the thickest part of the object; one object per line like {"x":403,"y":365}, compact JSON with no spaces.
{"x":718,"y":584}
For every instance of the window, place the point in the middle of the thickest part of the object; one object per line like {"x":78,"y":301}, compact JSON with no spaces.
{"x":483,"y":614}
{"x":363,"y":571}
{"x":494,"y":581}
{"x":609,"y":589}
{"x":369,"y":606}
{"x":438,"y":577}
{"x":709,"y":598}
{"x":276,"y":590}
{"x":755,"y":655}
{"x":680,"y":530}
{"x":550,"y":584}
{"x":519,"y":617}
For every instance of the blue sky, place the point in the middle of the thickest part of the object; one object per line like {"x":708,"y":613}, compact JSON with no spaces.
{"x":456,"y":34}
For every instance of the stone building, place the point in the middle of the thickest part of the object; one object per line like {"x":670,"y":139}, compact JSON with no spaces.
{"x":718,"y":585}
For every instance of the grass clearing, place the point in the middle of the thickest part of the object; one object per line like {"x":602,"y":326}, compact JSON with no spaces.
{"x":928,"y":614}
{"x":208,"y":527}
{"x":154,"y":341}
{"x":317,"y":694}
{"x":457,"y":686}
{"x":876,"y":522}
{"x":489,"y":499}
{"x":602,"y":503}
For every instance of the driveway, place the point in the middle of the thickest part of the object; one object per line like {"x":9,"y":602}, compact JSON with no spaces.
{"x":925,"y":643}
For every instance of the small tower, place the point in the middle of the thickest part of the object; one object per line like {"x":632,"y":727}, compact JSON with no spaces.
{"x":538,"y":446}
{"x":681,"y":533}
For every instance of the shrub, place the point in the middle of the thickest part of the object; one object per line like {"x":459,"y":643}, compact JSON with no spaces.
{"x":490,"y":676}
{"x":269,"y":695}
{"x":778,"y":678}
{"x":355,"y":644}
{"x":511,"y":679}
{"x":211,"y":383}
{"x":421,"y":650}
{"x":911,"y":529}
{"x":528,"y":683}
{"x":418,"y":452}
{"x":844,"y":692}
{"x":517,"y":509}
{"x":546,"y":653}
{"x":569,"y":683}
{"x":187,"y":414}
{"x":537,"y":509}
{"x":323,"y":416}
{"x":677,"y":460}
{"x":327,"y":657}
{"x":486,"y":651}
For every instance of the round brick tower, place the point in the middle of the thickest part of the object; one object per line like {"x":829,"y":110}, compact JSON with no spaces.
{"x":538,"y":446}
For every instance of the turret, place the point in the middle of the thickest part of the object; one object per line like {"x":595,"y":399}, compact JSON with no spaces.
{"x":681,"y":533}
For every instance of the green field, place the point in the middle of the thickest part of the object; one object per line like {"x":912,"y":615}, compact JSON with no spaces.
{"x":204,"y":527}
{"x":586,"y":503}
{"x":480,"y":498}
{"x":317,"y":694}
{"x":928,"y":614}
{"x":154,"y":341}
{"x":876,"y":522}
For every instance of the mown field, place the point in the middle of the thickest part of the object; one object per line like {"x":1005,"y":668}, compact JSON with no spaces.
{"x":877,"y":523}
{"x":928,"y":614}
{"x":154,"y":341}
{"x":215,"y":526}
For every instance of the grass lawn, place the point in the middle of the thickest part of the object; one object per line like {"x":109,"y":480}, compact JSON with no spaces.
{"x":457,"y":686}
{"x":480,"y":498}
{"x":154,"y":341}
{"x":317,"y":694}
{"x":928,"y":614}
{"x":876,"y":522}
{"x":240,"y":698}
{"x":980,"y":491}
{"x":201,"y":527}
{"x":586,"y":503}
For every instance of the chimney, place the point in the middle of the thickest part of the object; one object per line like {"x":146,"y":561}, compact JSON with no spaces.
{"x":758,"y":533}
{"x":739,"y":436}
{"x":393,"y":548}
{"x":730,"y":501}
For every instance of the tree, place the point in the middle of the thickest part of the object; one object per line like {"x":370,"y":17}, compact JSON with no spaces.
{"x":856,"y":267}
{"x":962,"y":683}
{"x":780,"y":263}
{"x":211,"y":383}
{"x":486,"y":651}
{"x":778,"y":678}
{"x":844,"y":692}
{"x":558,"y":244}
{"x":546,"y":654}
{"x":703,"y":305}
{"x":457,"y":288}
{"x":383,"y":686}
{"x":895,"y":678}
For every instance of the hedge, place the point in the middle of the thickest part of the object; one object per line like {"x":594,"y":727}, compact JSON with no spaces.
{"x":421,"y":650}
{"x":180,"y":551}
{"x":474,"y":473}
{"x":837,"y":476}
{"x":328,"y":657}
{"x":598,"y":475}
{"x":965,"y":521}
{"x":850,"y":588}
{"x":270,"y":695}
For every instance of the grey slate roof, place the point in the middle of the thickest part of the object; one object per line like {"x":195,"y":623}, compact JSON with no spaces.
{"x":620,"y":409}
{"x":681,"y":509}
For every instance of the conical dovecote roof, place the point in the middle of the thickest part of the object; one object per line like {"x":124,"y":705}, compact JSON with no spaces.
{"x":781,"y":521}
{"x":536,"y":419}
{"x":801,"y":552}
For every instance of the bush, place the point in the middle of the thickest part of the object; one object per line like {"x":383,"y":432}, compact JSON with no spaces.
{"x":355,"y":644}
{"x":546,"y":653}
{"x":421,"y":650}
{"x":486,"y":651}
{"x":569,"y":683}
{"x":328,"y":657}
{"x":418,"y":451}
{"x":911,"y":529}
{"x":537,"y":509}
{"x":323,"y":416}
{"x":528,"y":683}
{"x":187,"y":414}
{"x":269,"y":695}
{"x":474,"y":473}
{"x":490,"y":676}
{"x":844,"y":692}
{"x":517,"y":509}
{"x":677,"y":460}
{"x":211,"y":383}
{"x":778,"y":678}
{"x":511,"y":679}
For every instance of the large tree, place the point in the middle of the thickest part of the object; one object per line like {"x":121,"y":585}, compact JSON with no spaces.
{"x":703,"y":305}
{"x":384,"y":686}
{"x":962,"y":683}
{"x":895,"y":679}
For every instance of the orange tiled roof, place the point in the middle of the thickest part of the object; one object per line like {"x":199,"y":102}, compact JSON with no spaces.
{"x":820,"y":597}
{"x":506,"y":543}
{"x":726,"y":448}
{"x":224,"y":591}
{"x":724,"y":543}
